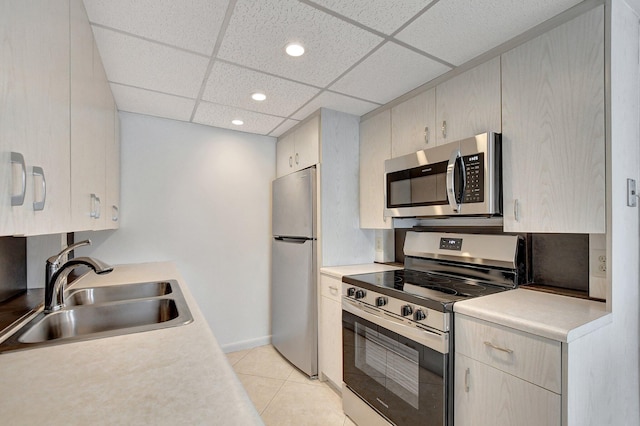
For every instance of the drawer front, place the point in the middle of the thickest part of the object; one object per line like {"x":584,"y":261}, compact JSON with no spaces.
{"x":330,"y":287}
{"x":532,"y":358}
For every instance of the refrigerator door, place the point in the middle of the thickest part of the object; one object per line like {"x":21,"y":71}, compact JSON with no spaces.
{"x":294,"y":328}
{"x":294,"y":204}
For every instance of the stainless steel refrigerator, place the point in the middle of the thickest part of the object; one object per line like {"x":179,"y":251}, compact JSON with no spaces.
{"x":294,"y":306}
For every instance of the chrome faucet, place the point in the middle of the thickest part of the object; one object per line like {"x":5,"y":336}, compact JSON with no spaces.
{"x":56,"y":275}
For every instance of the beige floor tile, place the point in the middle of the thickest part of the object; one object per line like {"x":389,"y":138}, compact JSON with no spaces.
{"x":264,"y":361}
{"x":299,"y":377}
{"x":234,"y":357}
{"x":304,"y":405}
{"x":348,"y":422}
{"x":261,"y":390}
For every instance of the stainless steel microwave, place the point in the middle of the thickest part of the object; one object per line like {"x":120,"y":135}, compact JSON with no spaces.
{"x":462,"y":178}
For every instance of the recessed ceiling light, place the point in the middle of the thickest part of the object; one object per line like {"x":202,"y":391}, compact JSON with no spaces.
{"x":237,"y":122}
{"x":258,"y":96}
{"x":294,"y":49}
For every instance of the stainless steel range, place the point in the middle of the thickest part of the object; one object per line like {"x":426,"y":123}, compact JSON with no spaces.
{"x":398,"y":325}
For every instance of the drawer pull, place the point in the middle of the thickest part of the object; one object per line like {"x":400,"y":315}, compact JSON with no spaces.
{"x":498,"y":348}
{"x":466,"y":380}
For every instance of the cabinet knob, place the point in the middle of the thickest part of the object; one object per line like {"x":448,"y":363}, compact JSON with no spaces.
{"x":444,"y":129}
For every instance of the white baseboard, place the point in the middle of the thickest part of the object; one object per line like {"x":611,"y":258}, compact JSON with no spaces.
{"x":246,"y":344}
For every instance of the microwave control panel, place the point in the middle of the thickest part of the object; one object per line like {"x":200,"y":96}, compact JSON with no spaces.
{"x":474,"y":170}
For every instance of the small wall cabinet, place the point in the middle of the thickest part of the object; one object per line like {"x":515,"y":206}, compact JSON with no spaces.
{"x":554,"y":130}
{"x":413,"y":124}
{"x":299,"y":148}
{"x":375,"y":147}
{"x":469,"y":104}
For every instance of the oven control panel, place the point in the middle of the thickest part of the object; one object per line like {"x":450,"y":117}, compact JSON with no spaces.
{"x":400,"y":309}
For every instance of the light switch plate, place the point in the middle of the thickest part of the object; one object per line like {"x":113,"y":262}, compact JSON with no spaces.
{"x":632,"y":194}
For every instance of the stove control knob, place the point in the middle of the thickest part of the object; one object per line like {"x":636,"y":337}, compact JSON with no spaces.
{"x":381,"y":301}
{"x":351,"y":291}
{"x":419,"y":315}
{"x":406,"y":310}
{"x":360,"y":294}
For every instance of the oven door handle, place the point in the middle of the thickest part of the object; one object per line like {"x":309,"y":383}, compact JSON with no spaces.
{"x":432,"y":339}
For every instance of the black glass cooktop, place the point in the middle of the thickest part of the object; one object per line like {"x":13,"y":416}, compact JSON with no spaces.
{"x":426,"y":285}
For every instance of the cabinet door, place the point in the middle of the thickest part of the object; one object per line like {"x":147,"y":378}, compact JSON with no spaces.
{"x":87,"y":125}
{"x":553,"y":130}
{"x":306,"y":142}
{"x":284,"y":155}
{"x":113,"y":173}
{"x":375,"y":148}
{"x":330,"y":345}
{"x":34,"y":115}
{"x":469,"y":104}
{"x":487,"y":396}
{"x":413,"y":124}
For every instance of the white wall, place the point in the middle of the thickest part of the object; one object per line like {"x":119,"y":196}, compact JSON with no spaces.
{"x":199,"y":196}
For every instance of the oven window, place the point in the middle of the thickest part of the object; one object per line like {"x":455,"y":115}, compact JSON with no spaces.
{"x":389,"y":363}
{"x":402,"y":379}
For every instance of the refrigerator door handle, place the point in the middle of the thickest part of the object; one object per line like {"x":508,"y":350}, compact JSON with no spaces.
{"x":292,"y":240}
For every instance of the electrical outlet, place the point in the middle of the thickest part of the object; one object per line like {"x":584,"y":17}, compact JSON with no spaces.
{"x":378,"y":243}
{"x":598,"y":263}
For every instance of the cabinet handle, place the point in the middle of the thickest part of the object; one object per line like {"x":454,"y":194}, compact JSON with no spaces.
{"x":444,"y":129}
{"x":467,"y":373}
{"x":290,"y":161}
{"x":115,"y":213}
{"x":95,"y":206}
{"x":333,"y":288}
{"x":17,"y":158}
{"x":39,"y":205}
{"x":498,"y":348}
{"x":426,"y":134}
{"x":516,"y":210}
{"x":297,"y":158}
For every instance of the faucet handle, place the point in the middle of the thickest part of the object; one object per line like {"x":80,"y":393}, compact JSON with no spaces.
{"x":55,"y":259}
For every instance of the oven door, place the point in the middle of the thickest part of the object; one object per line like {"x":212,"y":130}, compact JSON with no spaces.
{"x":401,"y":371}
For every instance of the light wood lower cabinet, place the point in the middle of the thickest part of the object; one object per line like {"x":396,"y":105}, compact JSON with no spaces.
{"x":330,"y":329}
{"x":504,"y":376}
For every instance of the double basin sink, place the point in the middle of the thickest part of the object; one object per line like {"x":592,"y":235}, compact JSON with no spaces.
{"x":92,"y":313}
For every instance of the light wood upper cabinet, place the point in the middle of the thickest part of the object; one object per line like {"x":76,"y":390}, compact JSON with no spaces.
{"x":34,"y":116}
{"x":413,"y":124}
{"x":113,"y":174}
{"x":94,"y":144}
{"x":300,"y":148}
{"x":553,"y":130}
{"x":469,"y":104}
{"x":375,"y":148}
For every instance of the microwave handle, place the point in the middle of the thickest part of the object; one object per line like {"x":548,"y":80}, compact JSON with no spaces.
{"x":451,"y":184}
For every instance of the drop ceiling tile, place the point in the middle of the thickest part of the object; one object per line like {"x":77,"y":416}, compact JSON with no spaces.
{"x":192,"y":25}
{"x":388,"y":73}
{"x":136,"y":62}
{"x":232,"y":85}
{"x":336,"y":102}
{"x":385,"y":16}
{"x":142,"y":101}
{"x":459,"y":30}
{"x":221,"y":116}
{"x":286,"y":125}
{"x":259,"y":31}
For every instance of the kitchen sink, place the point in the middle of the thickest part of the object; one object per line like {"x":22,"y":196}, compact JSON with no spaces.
{"x":97,"y":295}
{"x":105,"y":312}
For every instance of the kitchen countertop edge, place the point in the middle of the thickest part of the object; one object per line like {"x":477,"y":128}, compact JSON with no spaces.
{"x":363,"y":268}
{"x":556,"y":317}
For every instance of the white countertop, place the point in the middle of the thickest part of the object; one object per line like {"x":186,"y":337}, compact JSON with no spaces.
{"x":170,"y":376}
{"x":340,"y":271}
{"x":548,"y":315}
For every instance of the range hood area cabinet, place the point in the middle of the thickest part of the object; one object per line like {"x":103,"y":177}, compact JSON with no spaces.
{"x":464,"y":106}
{"x":43,"y":110}
{"x":553,"y":130}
